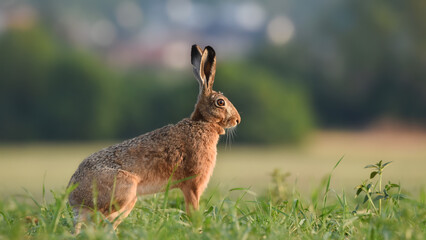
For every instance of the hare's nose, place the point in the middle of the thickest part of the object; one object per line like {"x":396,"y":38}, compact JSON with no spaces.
{"x":238,"y":121}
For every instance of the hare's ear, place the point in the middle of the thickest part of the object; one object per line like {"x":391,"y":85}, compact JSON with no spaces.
{"x":196,"y":54}
{"x":208,"y":67}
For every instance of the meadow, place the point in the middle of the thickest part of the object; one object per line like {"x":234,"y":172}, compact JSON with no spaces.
{"x":320,"y":190}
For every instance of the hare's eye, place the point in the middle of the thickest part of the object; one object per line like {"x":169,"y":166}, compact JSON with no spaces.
{"x":220,"y":102}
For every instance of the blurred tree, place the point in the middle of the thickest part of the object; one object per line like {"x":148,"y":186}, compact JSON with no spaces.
{"x":362,"y":62}
{"x":47,"y":92}
{"x":25,"y":60}
{"x":148,"y":101}
{"x":272,"y":111}
{"x":82,"y":100}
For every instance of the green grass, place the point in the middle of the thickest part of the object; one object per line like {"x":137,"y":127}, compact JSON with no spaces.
{"x":303,"y":198}
{"x":238,"y":213}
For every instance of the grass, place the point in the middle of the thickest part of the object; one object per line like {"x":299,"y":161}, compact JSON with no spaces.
{"x":311,"y":194}
{"x":282,"y":213}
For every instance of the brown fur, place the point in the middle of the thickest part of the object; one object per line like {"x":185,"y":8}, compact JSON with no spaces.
{"x":144,"y":164}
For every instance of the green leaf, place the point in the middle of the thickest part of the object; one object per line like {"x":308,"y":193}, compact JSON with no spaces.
{"x":246,"y":190}
{"x":338,"y":162}
{"x":208,"y":211}
{"x":385,"y":192}
{"x":373,"y":174}
{"x":238,"y":189}
{"x":369,"y":186}
{"x":5,"y":218}
{"x":384,"y":165}
{"x":399,"y":196}
{"x":379,"y":197}
{"x":279,"y":211}
{"x":365,"y":199}
{"x":182,"y":180}
{"x":358,"y":192}
{"x":357,"y":207}
{"x":370,"y":166}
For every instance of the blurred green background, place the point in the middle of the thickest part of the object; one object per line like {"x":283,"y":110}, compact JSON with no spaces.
{"x":110,"y":70}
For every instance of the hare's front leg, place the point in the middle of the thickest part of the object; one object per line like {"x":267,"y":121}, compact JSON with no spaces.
{"x":192,"y":196}
{"x":192,"y":190}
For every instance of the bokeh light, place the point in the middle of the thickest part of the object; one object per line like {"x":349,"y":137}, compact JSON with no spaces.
{"x":280,"y":30}
{"x":129,"y":15}
{"x":179,"y":11}
{"x":250,"y":16}
{"x":103,"y":33}
{"x":175,"y":55}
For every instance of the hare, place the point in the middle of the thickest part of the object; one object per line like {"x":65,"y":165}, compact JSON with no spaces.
{"x":144,"y":164}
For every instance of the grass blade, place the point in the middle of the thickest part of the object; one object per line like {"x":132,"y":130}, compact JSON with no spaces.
{"x":327,"y":188}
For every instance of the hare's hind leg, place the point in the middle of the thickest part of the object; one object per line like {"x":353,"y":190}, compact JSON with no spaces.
{"x":81,"y":215}
{"x":124,"y":198}
{"x":117,"y":217}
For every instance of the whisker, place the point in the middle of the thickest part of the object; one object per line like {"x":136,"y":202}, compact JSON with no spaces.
{"x":232,"y":134}
{"x":230,"y":139}
{"x":227,"y":139}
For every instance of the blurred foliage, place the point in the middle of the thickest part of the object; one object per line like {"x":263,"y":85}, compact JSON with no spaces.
{"x":363,"y":62}
{"x":82,"y":100}
{"x":149,"y":100}
{"x":49,"y":92}
{"x":272,"y":110}
{"x":52,"y":92}
{"x":25,"y":63}
{"x":351,"y":65}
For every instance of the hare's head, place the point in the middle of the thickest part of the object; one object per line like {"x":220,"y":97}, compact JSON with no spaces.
{"x":211,"y":106}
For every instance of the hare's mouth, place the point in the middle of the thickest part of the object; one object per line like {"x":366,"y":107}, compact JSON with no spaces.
{"x":231,"y":124}
{"x":227,"y":126}
{"x":231,"y":129}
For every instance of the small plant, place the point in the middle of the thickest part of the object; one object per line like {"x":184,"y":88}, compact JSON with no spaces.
{"x":372,"y":194}
{"x":279,"y":189}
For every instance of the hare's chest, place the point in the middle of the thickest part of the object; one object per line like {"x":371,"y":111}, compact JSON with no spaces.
{"x":205,"y":161}
{"x":205,"y":167}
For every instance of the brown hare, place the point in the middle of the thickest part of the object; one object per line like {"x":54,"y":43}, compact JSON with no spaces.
{"x":144,"y":164}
